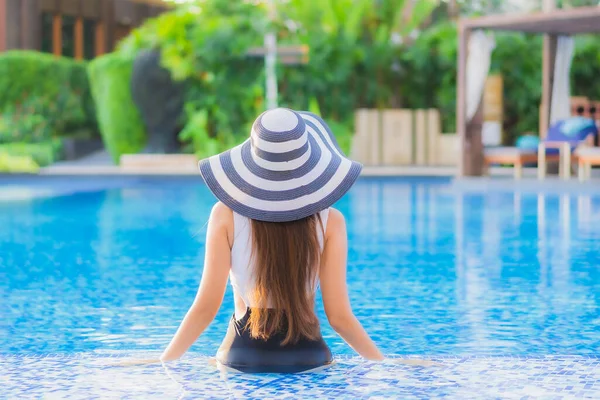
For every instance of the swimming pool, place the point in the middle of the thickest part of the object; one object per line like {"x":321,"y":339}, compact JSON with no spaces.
{"x":501,"y":287}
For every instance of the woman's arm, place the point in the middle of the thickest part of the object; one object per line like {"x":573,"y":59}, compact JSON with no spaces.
{"x":335,"y":292}
{"x":217,"y":263}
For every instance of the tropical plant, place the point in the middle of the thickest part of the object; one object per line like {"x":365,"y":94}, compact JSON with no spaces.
{"x":208,"y":50}
{"x":120,"y":123}
{"x":363,"y":53}
{"x":39,"y":118}
{"x":355,"y":48}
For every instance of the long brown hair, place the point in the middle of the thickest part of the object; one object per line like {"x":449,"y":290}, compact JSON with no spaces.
{"x":286,"y":258}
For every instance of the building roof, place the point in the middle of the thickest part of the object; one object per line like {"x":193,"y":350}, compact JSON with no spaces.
{"x":562,"y":21}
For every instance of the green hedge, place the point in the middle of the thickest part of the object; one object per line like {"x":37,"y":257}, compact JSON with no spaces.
{"x":120,"y":124}
{"x":26,"y":75}
{"x":43,"y":153}
{"x":17,"y":164}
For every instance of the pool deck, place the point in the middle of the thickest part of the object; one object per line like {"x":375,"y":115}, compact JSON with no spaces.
{"x":100,"y":164}
{"x":116,"y":170}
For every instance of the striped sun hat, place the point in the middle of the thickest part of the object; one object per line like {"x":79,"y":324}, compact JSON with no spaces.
{"x":290,"y":167}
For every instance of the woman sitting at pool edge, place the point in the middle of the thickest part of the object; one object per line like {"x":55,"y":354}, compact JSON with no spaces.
{"x":274,"y":234}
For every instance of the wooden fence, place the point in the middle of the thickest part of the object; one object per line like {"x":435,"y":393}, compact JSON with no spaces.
{"x":397,"y":137}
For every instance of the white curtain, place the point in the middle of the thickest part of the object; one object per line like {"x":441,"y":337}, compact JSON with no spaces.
{"x":561,"y":91}
{"x":479,"y":59}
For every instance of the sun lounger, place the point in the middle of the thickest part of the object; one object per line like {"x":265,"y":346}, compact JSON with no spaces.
{"x":566,"y":136}
{"x":511,"y":156}
{"x":586,"y":157}
{"x":562,"y":139}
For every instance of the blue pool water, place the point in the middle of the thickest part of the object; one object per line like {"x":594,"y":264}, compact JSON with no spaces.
{"x":96,"y":270}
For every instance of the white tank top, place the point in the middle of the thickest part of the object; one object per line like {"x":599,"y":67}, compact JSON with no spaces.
{"x":241,"y":274}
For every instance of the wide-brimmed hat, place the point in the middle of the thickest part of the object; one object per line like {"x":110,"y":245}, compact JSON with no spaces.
{"x":290,"y":167}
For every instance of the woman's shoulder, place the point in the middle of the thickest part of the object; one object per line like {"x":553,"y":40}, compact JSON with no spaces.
{"x":336,"y":222}
{"x":221,"y":212}
{"x":221,"y":217}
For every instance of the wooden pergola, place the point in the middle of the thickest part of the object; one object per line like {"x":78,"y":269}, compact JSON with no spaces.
{"x":552,"y":24}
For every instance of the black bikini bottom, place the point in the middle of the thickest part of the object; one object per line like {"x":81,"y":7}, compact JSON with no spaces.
{"x":241,"y":352}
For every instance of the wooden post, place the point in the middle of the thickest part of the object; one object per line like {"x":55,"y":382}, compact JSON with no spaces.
{"x":100,"y":39}
{"x":286,"y":55}
{"x":461,"y":101}
{"x":548,"y":62}
{"x":79,"y":38}
{"x":57,"y":35}
{"x":474,"y":158}
{"x":471,"y":159}
{"x":2,"y":25}
{"x":453,"y":10}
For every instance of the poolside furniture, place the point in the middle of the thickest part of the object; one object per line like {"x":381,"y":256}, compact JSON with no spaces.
{"x":586,"y":157}
{"x":565,"y":136}
{"x":562,"y":139}
{"x":510,"y":155}
{"x":524,"y":152}
{"x":564,"y":158}
{"x":556,"y":25}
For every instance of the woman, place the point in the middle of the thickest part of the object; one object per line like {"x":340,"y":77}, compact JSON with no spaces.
{"x":275,"y":236}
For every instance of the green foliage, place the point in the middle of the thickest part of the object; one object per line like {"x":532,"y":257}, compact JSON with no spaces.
{"x":196,"y":134}
{"x":585,"y":68}
{"x":16,"y":126}
{"x":352,"y":60}
{"x":363,"y":53}
{"x":224,"y":88}
{"x":577,"y":3}
{"x":120,"y":124}
{"x":42,"y":153}
{"x":430,"y":66}
{"x":38,"y":118}
{"x":518,"y":58}
{"x":429,"y":71}
{"x":28,"y":77}
{"x":343,"y":132}
{"x":17,"y":164}
{"x":356,"y":48}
